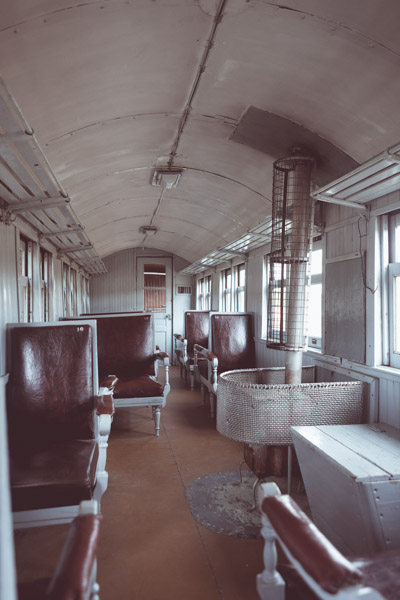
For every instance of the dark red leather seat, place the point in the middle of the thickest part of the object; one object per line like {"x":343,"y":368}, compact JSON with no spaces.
{"x":51,"y":411}
{"x":197,"y":328}
{"x":126,"y":350}
{"x":75,"y":572}
{"x":231,"y":346}
{"x":315,"y":557}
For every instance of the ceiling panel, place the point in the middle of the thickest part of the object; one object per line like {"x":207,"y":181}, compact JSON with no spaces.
{"x":114,"y":89}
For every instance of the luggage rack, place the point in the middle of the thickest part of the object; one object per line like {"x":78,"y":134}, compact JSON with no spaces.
{"x":30,"y":189}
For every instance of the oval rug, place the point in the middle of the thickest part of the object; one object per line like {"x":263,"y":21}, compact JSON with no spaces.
{"x":220,"y":504}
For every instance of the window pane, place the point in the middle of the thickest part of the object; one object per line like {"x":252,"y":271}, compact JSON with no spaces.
{"x":395,"y":234}
{"x":227,"y":279}
{"x":315,"y":311}
{"x":316,"y":262}
{"x":240,"y":298}
{"x":396,"y":316}
{"x":241,"y":275}
{"x":155,"y":293}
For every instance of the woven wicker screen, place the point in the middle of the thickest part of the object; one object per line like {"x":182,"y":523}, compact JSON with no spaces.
{"x":263,"y":413}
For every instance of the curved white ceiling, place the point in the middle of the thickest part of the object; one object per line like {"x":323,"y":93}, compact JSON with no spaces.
{"x":114,"y":88}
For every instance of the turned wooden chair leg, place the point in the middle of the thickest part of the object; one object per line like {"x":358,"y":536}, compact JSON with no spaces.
{"x":212,"y":404}
{"x":157,"y":417}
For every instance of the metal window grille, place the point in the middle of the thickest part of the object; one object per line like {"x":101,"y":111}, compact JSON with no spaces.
{"x":292,"y":225}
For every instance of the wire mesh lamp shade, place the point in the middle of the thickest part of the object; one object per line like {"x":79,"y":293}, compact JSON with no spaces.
{"x":292,"y":226}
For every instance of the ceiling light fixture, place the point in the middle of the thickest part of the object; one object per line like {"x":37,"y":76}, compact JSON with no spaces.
{"x":167,"y":178}
{"x":148,"y":230}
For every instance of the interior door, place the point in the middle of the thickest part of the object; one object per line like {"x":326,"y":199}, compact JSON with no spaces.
{"x":154,"y":295}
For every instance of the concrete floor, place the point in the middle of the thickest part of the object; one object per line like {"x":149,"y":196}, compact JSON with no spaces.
{"x":151,"y":547}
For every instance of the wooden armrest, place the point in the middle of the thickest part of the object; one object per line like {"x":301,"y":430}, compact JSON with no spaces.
{"x":180,"y":338}
{"x":109,"y":382}
{"x":162,"y":356}
{"x":205,"y":352}
{"x":105,"y":404}
{"x":73,"y":574}
{"x":308,"y":546}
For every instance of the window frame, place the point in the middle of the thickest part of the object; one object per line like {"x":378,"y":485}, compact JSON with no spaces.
{"x":207,"y":292}
{"x":66,"y":289}
{"x":226,"y":289}
{"x":393,"y":300}
{"x":73,"y":288}
{"x":45,"y":258}
{"x":25,"y":277}
{"x":316,"y":279}
{"x":239,"y":289}
{"x":200,"y":293}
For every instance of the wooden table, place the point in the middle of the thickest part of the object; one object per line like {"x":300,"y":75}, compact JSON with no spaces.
{"x":352,"y":479}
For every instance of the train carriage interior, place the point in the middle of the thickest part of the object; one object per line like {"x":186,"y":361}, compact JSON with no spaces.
{"x":199,"y":240}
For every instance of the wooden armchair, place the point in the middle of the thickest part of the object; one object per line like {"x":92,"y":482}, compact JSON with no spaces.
{"x":75,"y":573}
{"x":197,"y":328}
{"x":58,"y":427}
{"x":316,"y":570}
{"x":230,"y":346}
{"x":128,"y":362}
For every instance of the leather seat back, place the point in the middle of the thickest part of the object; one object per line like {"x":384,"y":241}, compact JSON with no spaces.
{"x":50,"y":392}
{"x":197,"y":328}
{"x":125,"y":345}
{"x":233,"y":341}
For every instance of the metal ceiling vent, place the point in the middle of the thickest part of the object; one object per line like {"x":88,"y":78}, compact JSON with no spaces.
{"x":292,"y":226}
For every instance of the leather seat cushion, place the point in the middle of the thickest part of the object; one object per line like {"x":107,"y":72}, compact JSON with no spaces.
{"x":143,"y":386}
{"x":60,"y":474}
{"x":381,"y":572}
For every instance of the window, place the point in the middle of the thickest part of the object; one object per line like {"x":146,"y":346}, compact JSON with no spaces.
{"x":45,"y":262}
{"x":66,"y":287}
{"x":278,"y":284}
{"x":280,"y":274}
{"x":394,"y":289}
{"x":85,"y":294}
{"x":200,"y":294}
{"x":74,"y":293}
{"x":226,"y":296}
{"x":155,"y":288}
{"x":207,"y":292}
{"x":315,"y":298}
{"x":25,"y":280}
{"x":240,"y":288}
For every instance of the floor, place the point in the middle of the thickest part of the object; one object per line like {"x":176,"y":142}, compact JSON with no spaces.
{"x":151,"y":547}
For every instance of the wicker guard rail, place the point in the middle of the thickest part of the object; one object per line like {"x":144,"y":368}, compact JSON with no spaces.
{"x":253,"y":407}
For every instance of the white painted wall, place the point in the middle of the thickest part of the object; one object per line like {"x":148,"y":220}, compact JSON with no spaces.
{"x":116,"y":291}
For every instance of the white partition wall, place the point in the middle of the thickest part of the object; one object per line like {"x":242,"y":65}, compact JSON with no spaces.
{"x":7,"y":564}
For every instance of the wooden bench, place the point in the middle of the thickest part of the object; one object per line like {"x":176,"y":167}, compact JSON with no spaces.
{"x":58,"y":426}
{"x":197,"y":328}
{"x":230,"y":346}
